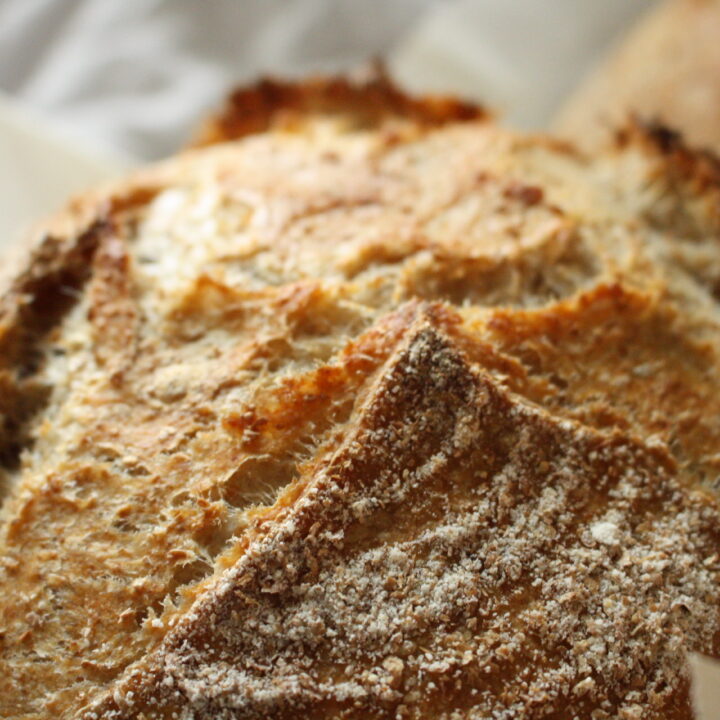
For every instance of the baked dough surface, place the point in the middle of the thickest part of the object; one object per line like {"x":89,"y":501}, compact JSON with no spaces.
{"x":389,"y":413}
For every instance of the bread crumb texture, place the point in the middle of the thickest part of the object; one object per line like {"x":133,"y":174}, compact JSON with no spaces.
{"x":370,"y":409}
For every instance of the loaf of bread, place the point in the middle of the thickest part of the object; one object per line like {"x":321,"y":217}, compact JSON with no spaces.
{"x":366,"y":408}
{"x":666,"y":69}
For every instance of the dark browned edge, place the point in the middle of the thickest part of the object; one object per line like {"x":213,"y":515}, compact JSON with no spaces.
{"x":368,"y":101}
{"x":33,"y":305}
{"x":701,"y":166}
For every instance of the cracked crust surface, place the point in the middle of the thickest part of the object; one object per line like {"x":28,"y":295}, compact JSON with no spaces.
{"x":386,"y":418}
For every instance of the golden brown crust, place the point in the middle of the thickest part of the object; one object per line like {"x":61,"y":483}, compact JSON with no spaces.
{"x":434,"y":323}
{"x":459,"y":554}
{"x":363,"y":103}
{"x":690,"y":163}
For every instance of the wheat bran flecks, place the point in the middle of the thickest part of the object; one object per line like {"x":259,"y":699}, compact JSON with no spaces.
{"x":369,"y":409}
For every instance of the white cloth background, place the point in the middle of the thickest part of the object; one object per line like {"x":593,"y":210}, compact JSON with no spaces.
{"x":133,"y":76}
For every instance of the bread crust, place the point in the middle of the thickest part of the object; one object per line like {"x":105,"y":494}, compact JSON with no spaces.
{"x":327,"y":357}
{"x":421,"y":440}
{"x":370,"y":100}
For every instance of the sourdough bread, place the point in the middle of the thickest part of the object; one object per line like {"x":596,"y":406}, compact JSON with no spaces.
{"x":366,"y":408}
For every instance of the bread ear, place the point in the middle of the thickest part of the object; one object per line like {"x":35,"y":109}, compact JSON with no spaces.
{"x":368,"y":101}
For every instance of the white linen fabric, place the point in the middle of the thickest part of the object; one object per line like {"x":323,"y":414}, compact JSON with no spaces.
{"x":133,"y":76}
